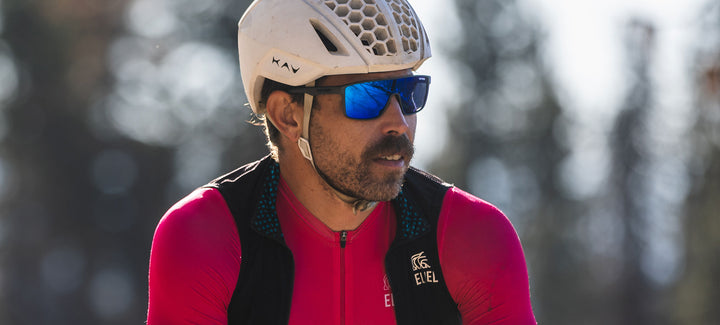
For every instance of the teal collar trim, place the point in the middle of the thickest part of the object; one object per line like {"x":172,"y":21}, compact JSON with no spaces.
{"x":411,"y":223}
{"x":265,"y":221}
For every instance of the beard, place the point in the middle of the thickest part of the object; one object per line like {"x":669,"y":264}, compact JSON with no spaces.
{"x":354,"y":176}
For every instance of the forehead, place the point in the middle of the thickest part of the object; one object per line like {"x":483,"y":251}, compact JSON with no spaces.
{"x":344,"y":79}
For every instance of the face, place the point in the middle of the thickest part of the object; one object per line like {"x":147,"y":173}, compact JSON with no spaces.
{"x":365,"y":159}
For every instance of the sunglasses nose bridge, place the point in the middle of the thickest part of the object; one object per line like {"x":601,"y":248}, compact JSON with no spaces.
{"x":394,"y":119}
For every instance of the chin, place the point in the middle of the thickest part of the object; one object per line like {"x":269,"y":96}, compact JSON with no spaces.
{"x":384,"y":191}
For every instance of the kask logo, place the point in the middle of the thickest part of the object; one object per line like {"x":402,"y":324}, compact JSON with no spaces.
{"x":285,"y":65}
{"x":420,"y":266}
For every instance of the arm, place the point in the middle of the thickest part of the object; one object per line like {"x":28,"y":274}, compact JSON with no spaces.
{"x":483,"y":262}
{"x":194,"y":262}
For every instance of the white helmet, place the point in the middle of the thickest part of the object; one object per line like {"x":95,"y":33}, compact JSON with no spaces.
{"x":295,"y":42}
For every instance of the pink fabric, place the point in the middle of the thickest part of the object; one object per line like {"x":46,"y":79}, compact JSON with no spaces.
{"x":320,"y":263}
{"x":483,"y":262}
{"x":195,"y":263}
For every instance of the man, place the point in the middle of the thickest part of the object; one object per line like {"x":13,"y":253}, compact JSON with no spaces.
{"x":334,"y":227}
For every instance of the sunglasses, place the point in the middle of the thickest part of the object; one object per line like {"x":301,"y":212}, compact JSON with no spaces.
{"x":368,"y":99}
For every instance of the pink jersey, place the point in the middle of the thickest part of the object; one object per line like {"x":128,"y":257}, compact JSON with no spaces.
{"x":195,"y":262}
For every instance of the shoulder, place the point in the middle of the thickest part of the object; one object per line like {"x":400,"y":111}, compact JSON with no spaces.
{"x":463,"y":207}
{"x":482,"y":261}
{"x":197,"y":224}
{"x":202,"y":201}
{"x":202,"y":209}
{"x":194,"y":261}
{"x":471,"y":224}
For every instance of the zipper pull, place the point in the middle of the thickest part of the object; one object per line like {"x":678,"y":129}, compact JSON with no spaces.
{"x":343,"y":238}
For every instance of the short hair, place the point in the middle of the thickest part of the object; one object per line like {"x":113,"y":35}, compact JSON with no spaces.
{"x":271,"y":132}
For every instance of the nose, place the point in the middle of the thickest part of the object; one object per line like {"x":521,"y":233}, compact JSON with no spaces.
{"x":394,"y":122}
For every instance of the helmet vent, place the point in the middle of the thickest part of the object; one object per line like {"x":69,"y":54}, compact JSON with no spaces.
{"x":327,"y":38}
{"x":407,"y":23}
{"x":370,"y":25}
{"x":326,"y":41}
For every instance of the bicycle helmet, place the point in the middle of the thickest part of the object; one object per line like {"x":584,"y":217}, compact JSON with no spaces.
{"x":295,"y":42}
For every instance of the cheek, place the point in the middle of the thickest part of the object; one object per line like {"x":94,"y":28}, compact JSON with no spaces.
{"x":329,"y":105}
{"x":412,"y":124}
{"x":328,"y":115}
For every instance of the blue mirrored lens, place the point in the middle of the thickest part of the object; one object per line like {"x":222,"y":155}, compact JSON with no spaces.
{"x":367,"y":100}
{"x":413,"y":93}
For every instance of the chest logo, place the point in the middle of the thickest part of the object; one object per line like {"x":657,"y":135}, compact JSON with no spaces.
{"x":419,"y":261}
{"x":388,"y":298}
{"x":422,"y":270}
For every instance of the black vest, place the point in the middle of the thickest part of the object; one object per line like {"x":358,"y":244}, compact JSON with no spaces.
{"x":263,"y":292}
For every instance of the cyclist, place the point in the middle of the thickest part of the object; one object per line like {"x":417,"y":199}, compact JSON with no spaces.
{"x":334,"y":227}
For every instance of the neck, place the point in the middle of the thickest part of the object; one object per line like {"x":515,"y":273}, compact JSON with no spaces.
{"x":334,"y":209}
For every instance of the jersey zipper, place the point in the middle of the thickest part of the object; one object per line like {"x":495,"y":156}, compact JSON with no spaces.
{"x":343,"y":242}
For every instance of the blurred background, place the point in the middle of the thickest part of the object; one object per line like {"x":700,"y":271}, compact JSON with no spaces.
{"x":594,"y":126}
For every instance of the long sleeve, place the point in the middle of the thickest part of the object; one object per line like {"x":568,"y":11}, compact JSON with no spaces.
{"x":483,"y":262}
{"x":194,"y":262}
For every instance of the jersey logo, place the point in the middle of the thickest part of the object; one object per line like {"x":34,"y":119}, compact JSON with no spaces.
{"x":419,"y":261}
{"x":285,"y":65}
{"x":420,"y":266}
{"x":386,"y":283}
{"x":388,"y":297}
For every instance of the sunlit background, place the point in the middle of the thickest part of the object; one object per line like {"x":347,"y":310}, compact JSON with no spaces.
{"x":595,"y":126}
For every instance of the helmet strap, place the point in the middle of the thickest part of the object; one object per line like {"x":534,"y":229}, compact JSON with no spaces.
{"x":304,"y":145}
{"x":304,"y":142}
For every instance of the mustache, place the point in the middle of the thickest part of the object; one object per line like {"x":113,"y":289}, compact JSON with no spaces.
{"x":391,"y":145}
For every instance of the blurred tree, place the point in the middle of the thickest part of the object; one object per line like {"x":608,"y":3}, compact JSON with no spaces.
{"x":698,"y":291}
{"x":53,"y":247}
{"x":630,"y":144}
{"x":83,"y":189}
{"x":177,"y":86}
{"x":506,"y":143}
{"x":511,"y":142}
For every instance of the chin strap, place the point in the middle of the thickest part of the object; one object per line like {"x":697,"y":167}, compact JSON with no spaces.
{"x":355,"y":203}
{"x":304,"y":145}
{"x":303,"y":142}
{"x":362,"y":205}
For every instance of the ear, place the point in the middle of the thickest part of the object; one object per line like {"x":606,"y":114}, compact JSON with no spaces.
{"x":285,"y":115}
